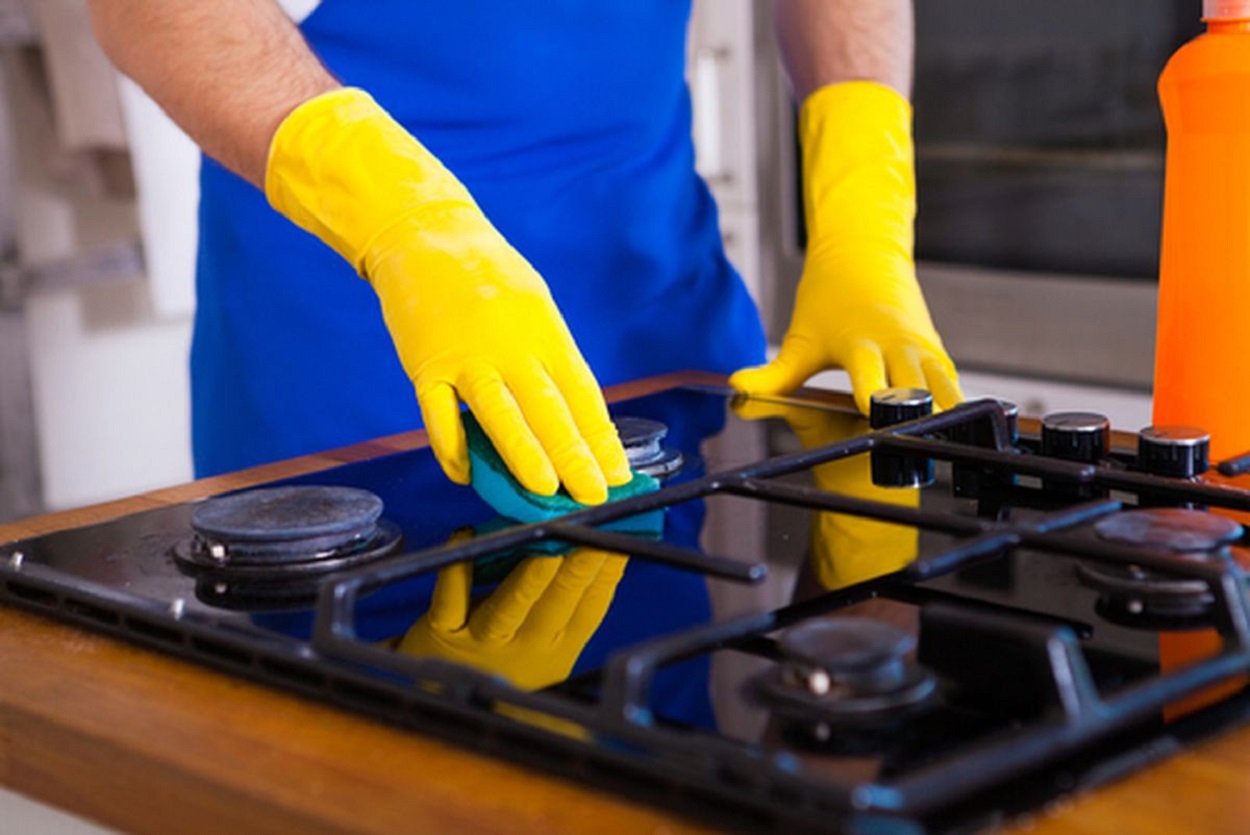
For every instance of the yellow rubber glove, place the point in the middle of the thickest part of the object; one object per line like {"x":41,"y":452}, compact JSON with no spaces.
{"x":845,"y":549}
{"x":532,"y":628}
{"x":858,"y":304}
{"x":470,"y":318}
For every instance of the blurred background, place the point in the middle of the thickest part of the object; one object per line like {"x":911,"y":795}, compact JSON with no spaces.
{"x":1039,"y":152}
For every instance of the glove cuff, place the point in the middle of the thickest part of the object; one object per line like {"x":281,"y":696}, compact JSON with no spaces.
{"x":341,"y":168}
{"x":858,"y":165}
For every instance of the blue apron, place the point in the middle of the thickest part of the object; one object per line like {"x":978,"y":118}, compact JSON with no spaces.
{"x":569,"y":121}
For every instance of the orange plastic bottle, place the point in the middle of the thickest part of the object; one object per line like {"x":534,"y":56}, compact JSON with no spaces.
{"x":1202,"y":355}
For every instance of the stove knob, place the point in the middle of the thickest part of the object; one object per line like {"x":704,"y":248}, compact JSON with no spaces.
{"x":1012,"y":412}
{"x":1174,"y":451}
{"x":1076,"y":436}
{"x":980,"y":432}
{"x":967,"y":480}
{"x":898,"y":405}
{"x":889,"y":407}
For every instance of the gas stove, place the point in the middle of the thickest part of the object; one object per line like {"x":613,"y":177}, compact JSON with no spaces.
{"x":915,"y":623}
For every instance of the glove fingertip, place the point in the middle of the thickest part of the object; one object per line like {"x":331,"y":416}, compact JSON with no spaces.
{"x":458,"y":469}
{"x":777,"y":377}
{"x":441,"y":411}
{"x":588,"y":490}
{"x":944,"y":383}
{"x":863,"y":398}
{"x":744,"y":379}
{"x":609,"y":454}
{"x":449,"y":604}
{"x":866,"y":368}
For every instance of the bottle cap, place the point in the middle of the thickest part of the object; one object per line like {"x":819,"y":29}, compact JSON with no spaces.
{"x":1225,"y":9}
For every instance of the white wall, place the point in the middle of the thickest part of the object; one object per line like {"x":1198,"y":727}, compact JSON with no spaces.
{"x":108,"y":359}
{"x":110,"y":387}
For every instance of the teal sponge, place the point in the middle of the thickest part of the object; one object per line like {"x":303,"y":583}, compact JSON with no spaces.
{"x":497,"y":486}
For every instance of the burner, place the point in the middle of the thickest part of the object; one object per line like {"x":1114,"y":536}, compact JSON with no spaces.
{"x":848,"y":670}
{"x":641,"y":438}
{"x":277,"y":533}
{"x":1134,"y":596}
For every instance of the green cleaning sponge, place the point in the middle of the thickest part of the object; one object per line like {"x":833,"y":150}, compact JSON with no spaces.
{"x":497,"y":486}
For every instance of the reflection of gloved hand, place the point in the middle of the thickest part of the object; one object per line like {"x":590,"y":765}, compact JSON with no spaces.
{"x":470,"y":318}
{"x":532,"y":628}
{"x":858,"y":304}
{"x":845,"y":549}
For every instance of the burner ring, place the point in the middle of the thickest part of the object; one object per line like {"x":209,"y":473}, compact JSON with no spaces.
{"x":1132,"y":583}
{"x":193,"y":556}
{"x":845,"y":670}
{"x":1133,"y":614}
{"x":915,"y":691}
{"x":279,"y":534}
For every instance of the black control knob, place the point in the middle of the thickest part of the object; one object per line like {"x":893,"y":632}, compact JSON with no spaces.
{"x":898,"y":405}
{"x":1076,"y":436}
{"x":967,"y":480}
{"x":889,"y":407}
{"x":1174,"y":451}
{"x":1012,"y":413}
{"x":981,"y":432}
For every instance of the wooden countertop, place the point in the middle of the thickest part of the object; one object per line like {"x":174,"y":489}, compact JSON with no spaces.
{"x":144,"y":742}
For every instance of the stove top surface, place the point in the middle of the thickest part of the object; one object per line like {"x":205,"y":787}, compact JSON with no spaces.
{"x":933,"y":625}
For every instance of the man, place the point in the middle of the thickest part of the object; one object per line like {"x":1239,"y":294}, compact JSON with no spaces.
{"x":510,"y":167}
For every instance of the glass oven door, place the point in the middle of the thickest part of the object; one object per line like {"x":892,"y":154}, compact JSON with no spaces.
{"x":1039,"y":147}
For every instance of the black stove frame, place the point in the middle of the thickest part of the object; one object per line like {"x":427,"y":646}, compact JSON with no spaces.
{"x":714,"y":778}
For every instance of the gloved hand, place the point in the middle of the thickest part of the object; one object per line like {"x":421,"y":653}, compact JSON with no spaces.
{"x":532,"y":628}
{"x":470,"y":318}
{"x":845,"y":549}
{"x":858,"y":304}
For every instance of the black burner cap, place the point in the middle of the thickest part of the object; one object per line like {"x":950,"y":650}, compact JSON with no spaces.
{"x":1174,"y":529}
{"x":287,"y":513}
{"x":277,"y":533}
{"x":639,"y":433}
{"x":281,"y":524}
{"x":642,"y":439}
{"x":846,"y":644}
{"x":846,"y":670}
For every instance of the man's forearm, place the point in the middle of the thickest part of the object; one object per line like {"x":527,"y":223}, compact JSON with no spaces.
{"x":827,"y":41}
{"x":227,"y":71}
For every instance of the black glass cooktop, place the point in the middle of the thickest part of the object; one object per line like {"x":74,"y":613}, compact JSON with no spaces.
{"x":931,"y":625}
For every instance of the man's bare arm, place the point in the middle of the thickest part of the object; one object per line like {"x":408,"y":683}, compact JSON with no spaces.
{"x":227,"y":71}
{"x":827,"y":41}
